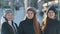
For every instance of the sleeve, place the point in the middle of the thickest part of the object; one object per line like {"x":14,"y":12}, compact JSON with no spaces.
{"x":4,"y":29}
{"x":20,"y":29}
{"x":58,"y":29}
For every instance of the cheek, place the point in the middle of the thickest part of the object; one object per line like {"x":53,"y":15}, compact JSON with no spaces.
{"x":48,"y":14}
{"x":7,"y":17}
{"x":11,"y":17}
{"x":54,"y":14}
{"x":29,"y":15}
{"x":51,"y":14}
{"x":32,"y":15}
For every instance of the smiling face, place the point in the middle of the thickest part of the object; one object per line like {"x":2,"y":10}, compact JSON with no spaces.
{"x":30,"y":14}
{"x":51,"y":14}
{"x":9,"y":16}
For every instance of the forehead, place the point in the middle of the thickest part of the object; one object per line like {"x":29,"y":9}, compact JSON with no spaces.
{"x":30,"y":12}
{"x":10,"y":14}
{"x":51,"y":11}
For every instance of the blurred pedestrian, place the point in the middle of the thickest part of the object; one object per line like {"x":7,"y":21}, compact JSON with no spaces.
{"x":51,"y":24}
{"x":30,"y":25}
{"x":9,"y":27}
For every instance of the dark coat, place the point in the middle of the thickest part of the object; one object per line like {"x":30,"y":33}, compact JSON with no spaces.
{"x":7,"y":29}
{"x":52,"y":27}
{"x":26,"y":27}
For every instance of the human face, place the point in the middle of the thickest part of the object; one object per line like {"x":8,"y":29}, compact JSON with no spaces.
{"x":9,"y":16}
{"x":51,"y":14}
{"x":30,"y":14}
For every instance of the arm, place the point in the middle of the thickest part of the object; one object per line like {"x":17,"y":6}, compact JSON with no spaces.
{"x":58,"y":28}
{"x":20,"y":29}
{"x":5,"y":29}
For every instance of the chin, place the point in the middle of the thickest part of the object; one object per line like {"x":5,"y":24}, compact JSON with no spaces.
{"x":30,"y":18}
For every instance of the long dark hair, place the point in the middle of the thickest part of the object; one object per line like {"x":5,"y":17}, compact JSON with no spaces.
{"x":36,"y":24}
{"x":47,"y":18}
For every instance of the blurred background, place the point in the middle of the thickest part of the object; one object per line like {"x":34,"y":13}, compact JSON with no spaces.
{"x":19,"y":7}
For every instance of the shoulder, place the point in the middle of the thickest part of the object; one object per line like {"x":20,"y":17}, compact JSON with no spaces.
{"x":23,"y":22}
{"x":5,"y":23}
{"x":58,"y":22}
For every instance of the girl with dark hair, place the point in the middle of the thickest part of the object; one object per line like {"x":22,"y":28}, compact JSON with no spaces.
{"x":30,"y":25}
{"x":51,"y":24}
